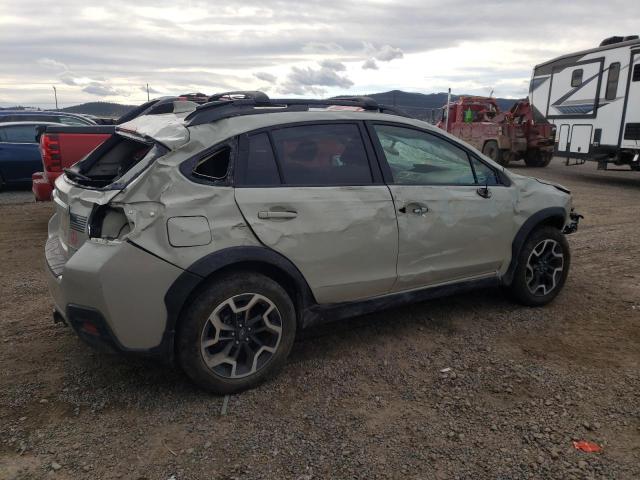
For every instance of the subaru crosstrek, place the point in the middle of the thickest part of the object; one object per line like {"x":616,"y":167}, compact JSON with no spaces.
{"x":211,"y":234}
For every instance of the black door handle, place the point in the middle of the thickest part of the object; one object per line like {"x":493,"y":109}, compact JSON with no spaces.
{"x":415,"y":208}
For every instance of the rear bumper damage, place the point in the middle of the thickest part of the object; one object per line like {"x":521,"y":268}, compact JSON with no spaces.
{"x":112,"y":295}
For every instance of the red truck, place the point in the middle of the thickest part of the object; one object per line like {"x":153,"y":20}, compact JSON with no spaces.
{"x":502,"y":136}
{"x":62,"y":146}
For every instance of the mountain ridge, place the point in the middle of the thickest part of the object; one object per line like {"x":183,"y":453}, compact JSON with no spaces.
{"x":419,"y":105}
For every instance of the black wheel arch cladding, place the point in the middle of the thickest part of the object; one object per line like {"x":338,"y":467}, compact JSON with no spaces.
{"x":262,"y":259}
{"x":554,"y":216}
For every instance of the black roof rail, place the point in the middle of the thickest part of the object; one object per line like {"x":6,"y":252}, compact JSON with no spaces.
{"x":368,"y":101}
{"x":145,"y":108}
{"x":245,"y":103}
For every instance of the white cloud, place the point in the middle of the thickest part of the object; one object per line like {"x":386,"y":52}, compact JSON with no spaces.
{"x":101,"y":89}
{"x":334,"y":65}
{"x":388,"y":53}
{"x":150,"y":89}
{"x":305,"y":80}
{"x":370,"y":64}
{"x":185,"y":45}
{"x":52,"y":64}
{"x":265,"y":77}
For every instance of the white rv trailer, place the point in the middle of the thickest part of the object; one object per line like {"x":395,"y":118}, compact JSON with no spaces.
{"x":593,"y":98}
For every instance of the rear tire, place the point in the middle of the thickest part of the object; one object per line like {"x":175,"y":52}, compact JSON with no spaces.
{"x":543,"y":266}
{"x":238,"y":332}
{"x":492,"y":151}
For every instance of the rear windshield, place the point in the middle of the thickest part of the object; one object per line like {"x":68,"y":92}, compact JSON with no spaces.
{"x":112,"y":160}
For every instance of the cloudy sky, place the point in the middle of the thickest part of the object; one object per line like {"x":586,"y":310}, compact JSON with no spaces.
{"x":110,"y":50}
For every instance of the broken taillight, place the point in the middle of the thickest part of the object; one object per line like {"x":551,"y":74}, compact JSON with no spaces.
{"x":50,"y":149}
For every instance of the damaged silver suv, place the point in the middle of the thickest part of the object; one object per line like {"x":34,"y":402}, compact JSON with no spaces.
{"x":211,"y":234}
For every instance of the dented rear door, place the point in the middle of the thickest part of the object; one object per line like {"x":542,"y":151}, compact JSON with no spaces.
{"x":320,"y":207}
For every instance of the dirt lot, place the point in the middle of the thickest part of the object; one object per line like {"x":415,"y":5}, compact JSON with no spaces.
{"x":362,"y":399}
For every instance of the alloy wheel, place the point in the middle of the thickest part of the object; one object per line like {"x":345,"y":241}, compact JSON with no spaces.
{"x":241,"y":335}
{"x":544,"y":267}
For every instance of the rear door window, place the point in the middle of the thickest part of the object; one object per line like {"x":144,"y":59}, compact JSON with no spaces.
{"x":30,"y":118}
{"x":323,"y":154}
{"x":18,"y":134}
{"x":261,"y":162}
{"x":74,"y":121}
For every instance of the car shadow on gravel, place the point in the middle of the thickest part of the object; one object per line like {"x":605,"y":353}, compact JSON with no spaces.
{"x":97,"y":379}
{"x":433,"y":316}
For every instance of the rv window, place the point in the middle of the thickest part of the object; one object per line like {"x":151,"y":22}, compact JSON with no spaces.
{"x":612,"y":81}
{"x":576,"y":78}
{"x":636,"y":73}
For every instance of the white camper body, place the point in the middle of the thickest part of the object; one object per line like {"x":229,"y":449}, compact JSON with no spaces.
{"x":593,"y":98}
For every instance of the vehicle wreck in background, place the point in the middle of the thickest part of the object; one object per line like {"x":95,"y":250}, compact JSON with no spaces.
{"x":503,"y":136}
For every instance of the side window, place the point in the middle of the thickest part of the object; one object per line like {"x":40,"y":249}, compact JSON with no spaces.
{"x":73,"y":121}
{"x":30,"y":118}
{"x":214,"y":166}
{"x":576,"y":78}
{"x":20,"y":134}
{"x":612,"y":81}
{"x":636,"y":73}
{"x":330,"y":154}
{"x":419,"y":158}
{"x":485,"y":175}
{"x":261,"y":164}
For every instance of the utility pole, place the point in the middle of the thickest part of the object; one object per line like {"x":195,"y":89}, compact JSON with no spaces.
{"x":55,"y":94}
{"x":147,"y":92}
{"x":446,"y":125}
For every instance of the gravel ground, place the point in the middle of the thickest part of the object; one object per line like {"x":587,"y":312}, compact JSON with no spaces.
{"x":16,"y":196}
{"x":468,"y":387}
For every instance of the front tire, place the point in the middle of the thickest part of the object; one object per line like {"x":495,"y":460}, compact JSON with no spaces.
{"x":492,"y":150}
{"x":237,"y":333}
{"x":537,"y":158}
{"x":543,"y":266}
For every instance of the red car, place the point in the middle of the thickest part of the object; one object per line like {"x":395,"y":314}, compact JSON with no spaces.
{"x":62,"y":146}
